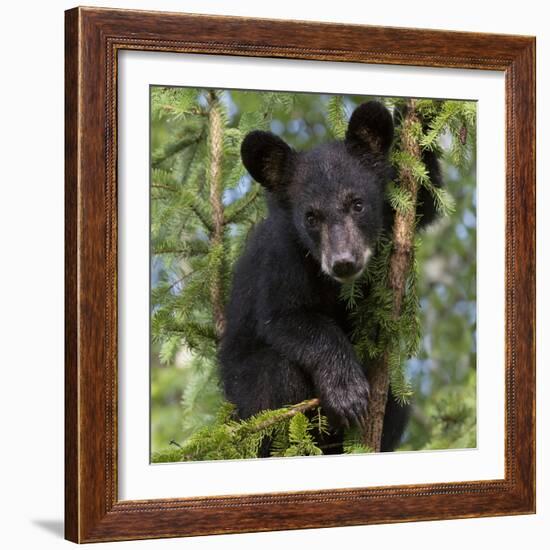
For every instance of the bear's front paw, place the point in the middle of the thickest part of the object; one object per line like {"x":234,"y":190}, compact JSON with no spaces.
{"x":346,"y":402}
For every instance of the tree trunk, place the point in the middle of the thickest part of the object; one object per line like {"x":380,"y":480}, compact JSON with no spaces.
{"x":215,"y":127}
{"x":399,"y":267}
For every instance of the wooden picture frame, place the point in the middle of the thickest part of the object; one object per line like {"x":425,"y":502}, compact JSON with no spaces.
{"x":93,"y":511}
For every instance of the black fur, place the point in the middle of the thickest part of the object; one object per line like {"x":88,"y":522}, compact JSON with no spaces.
{"x":287,"y":334}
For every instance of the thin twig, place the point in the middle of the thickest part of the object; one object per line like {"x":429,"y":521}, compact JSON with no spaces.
{"x":242,"y":205}
{"x":292,"y":411}
{"x":180,"y":280}
{"x":161,"y":186}
{"x":175,"y":148}
{"x":202,"y":217}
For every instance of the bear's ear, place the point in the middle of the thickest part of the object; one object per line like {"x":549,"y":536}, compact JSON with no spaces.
{"x":266,"y":157}
{"x":370,"y":128}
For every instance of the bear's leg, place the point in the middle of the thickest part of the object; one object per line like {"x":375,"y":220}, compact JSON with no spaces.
{"x":395,"y":422}
{"x":261,"y":379}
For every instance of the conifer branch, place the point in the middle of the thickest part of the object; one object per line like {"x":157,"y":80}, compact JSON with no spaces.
{"x":172,"y":148}
{"x":285,"y":413}
{"x":399,"y":267}
{"x":289,"y":413}
{"x":234,"y":213}
{"x":230,"y":438}
{"x":171,"y":188}
{"x":202,"y":217}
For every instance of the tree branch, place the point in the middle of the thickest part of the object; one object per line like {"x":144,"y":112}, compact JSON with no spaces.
{"x":173,"y":148}
{"x":161,"y":186}
{"x":208,"y":225}
{"x":234,"y":213}
{"x":292,"y":411}
{"x":399,"y":267}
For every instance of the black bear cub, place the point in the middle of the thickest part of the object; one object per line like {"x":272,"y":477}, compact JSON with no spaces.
{"x":287,"y":334}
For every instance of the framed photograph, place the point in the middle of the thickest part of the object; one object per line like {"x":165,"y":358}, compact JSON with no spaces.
{"x":300,"y":275}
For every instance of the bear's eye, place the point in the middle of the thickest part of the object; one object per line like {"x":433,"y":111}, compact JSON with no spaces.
{"x":357,"y":205}
{"x":311,"y":219}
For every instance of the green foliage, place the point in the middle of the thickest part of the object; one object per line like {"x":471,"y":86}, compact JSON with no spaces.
{"x":400,"y":199}
{"x":430,"y":347}
{"x":336,"y":116}
{"x":228,"y":438}
{"x":453,"y":416}
{"x":174,"y":104}
{"x":353,"y":443}
{"x":448,"y":420}
{"x":456,"y":120}
{"x":300,"y":438}
{"x":170,"y":454}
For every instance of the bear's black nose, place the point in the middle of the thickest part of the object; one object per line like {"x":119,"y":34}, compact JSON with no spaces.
{"x":344,"y":268}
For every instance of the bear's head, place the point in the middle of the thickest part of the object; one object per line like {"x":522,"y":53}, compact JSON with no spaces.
{"x":334,"y":193}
